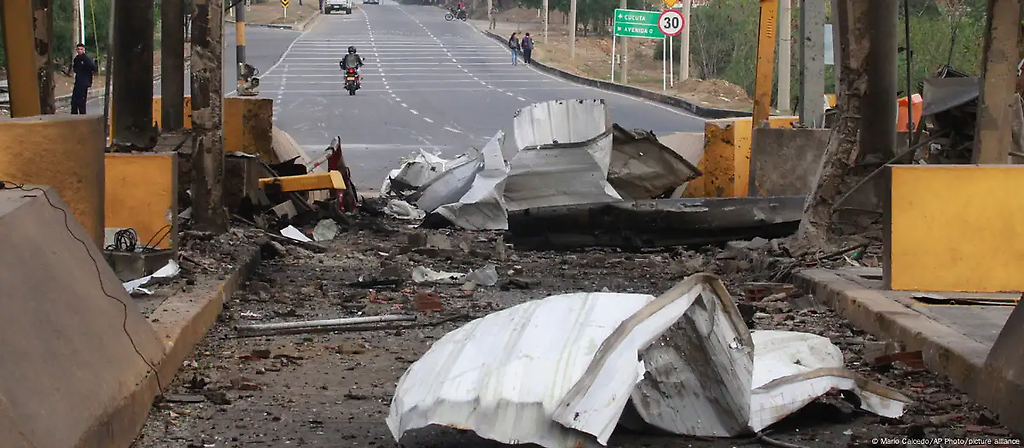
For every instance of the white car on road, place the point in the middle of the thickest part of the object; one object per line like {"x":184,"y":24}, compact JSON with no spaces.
{"x":338,"y":5}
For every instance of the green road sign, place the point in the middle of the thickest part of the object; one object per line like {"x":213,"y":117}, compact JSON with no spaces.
{"x":634,"y":23}
{"x":631,"y":30}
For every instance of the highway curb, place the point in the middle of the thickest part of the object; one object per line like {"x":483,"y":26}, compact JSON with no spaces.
{"x":301,"y":26}
{"x":180,"y":323}
{"x":679,"y":103}
{"x":183,"y":320}
{"x":945,"y":350}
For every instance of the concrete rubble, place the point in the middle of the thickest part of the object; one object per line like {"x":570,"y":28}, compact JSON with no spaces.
{"x":683,"y":362}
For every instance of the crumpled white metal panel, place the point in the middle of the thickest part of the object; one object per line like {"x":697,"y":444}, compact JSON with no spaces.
{"x":562,"y":152}
{"x":503,"y":375}
{"x":483,"y":206}
{"x":698,"y":358}
{"x":511,"y":375}
{"x":561,"y":121}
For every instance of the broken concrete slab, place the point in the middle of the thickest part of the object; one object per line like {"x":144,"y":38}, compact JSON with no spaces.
{"x":785,"y":162}
{"x":76,"y":348}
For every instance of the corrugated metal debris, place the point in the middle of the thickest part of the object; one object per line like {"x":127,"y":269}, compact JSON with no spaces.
{"x":560,"y":153}
{"x":684,"y":360}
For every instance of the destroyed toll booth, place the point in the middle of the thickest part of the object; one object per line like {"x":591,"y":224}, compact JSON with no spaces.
{"x":843,"y":276}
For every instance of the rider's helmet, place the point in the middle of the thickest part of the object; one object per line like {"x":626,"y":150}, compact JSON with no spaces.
{"x":351,"y":50}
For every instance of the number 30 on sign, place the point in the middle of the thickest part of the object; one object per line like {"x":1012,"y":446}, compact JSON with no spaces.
{"x":671,"y":22}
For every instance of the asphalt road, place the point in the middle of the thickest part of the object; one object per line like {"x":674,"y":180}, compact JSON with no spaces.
{"x":264,"y":47}
{"x":431,"y":84}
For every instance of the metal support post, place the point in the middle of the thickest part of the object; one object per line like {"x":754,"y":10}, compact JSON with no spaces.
{"x":878,"y":127}
{"x":133,"y":75}
{"x":572,"y":29}
{"x":765,"y":69}
{"x":812,"y":62}
{"x":172,"y":64}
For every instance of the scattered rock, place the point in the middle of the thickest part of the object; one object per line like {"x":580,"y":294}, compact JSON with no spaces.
{"x":428,"y":301}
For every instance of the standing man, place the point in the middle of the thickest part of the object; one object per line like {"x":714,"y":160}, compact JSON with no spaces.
{"x":84,"y":67}
{"x":494,"y":17}
{"x":527,"y":48}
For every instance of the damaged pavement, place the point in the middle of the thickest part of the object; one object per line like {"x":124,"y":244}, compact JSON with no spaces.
{"x":509,"y":285}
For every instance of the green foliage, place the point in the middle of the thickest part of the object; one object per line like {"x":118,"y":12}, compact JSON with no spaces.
{"x":723,"y":41}
{"x":591,"y":15}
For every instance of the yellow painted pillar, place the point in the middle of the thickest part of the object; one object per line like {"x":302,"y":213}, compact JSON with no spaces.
{"x":142,"y":193}
{"x":64,"y":152}
{"x":21,"y":57}
{"x":158,"y":112}
{"x":248,"y":126}
{"x":765,"y":69}
{"x":726,"y":159}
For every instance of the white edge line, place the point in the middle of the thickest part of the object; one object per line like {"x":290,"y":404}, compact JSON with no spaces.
{"x":286,"y":51}
{"x":623,"y":95}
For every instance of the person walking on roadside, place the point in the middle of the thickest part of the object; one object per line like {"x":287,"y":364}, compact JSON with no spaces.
{"x":527,"y":45}
{"x":494,"y":17}
{"x":84,"y":67}
{"x":513,"y":44}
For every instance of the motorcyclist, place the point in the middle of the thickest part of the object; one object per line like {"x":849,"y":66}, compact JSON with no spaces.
{"x":352,"y":60}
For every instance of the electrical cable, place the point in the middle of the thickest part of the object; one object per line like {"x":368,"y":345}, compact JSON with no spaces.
{"x":6,"y":185}
{"x":150,"y":245}
{"x":125,"y":240}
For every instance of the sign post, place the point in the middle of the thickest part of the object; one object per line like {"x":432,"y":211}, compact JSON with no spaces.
{"x":670,"y":23}
{"x":634,"y":23}
{"x":284,"y":6}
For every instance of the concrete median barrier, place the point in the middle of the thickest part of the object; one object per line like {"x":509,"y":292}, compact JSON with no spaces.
{"x":75,"y":370}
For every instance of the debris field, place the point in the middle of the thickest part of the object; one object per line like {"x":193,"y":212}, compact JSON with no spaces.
{"x":334,"y":389}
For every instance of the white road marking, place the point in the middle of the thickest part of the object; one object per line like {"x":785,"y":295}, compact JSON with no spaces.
{"x":428,"y":120}
{"x":453,"y":130}
{"x":414,"y":112}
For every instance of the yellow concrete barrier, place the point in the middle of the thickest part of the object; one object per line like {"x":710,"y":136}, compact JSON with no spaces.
{"x":157,"y":105}
{"x":248,"y":126}
{"x":63,"y":151}
{"x":142,"y":193}
{"x":955,"y":228}
{"x":726,"y":159}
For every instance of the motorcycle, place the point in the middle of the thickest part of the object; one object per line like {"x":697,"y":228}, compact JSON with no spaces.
{"x":455,"y":12}
{"x":351,"y":81}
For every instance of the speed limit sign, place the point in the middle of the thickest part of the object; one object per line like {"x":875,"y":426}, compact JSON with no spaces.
{"x":671,"y":22}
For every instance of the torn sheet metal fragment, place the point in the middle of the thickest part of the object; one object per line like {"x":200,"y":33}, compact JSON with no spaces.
{"x":483,"y":206}
{"x":564,"y":149}
{"x":644,"y":168}
{"x":137,"y":286}
{"x":295,"y":234}
{"x":416,"y":171}
{"x":533,"y":368}
{"x":450,"y":185}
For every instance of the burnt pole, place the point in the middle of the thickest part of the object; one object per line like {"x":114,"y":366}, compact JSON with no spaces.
{"x":207,"y":109}
{"x":133,"y":76}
